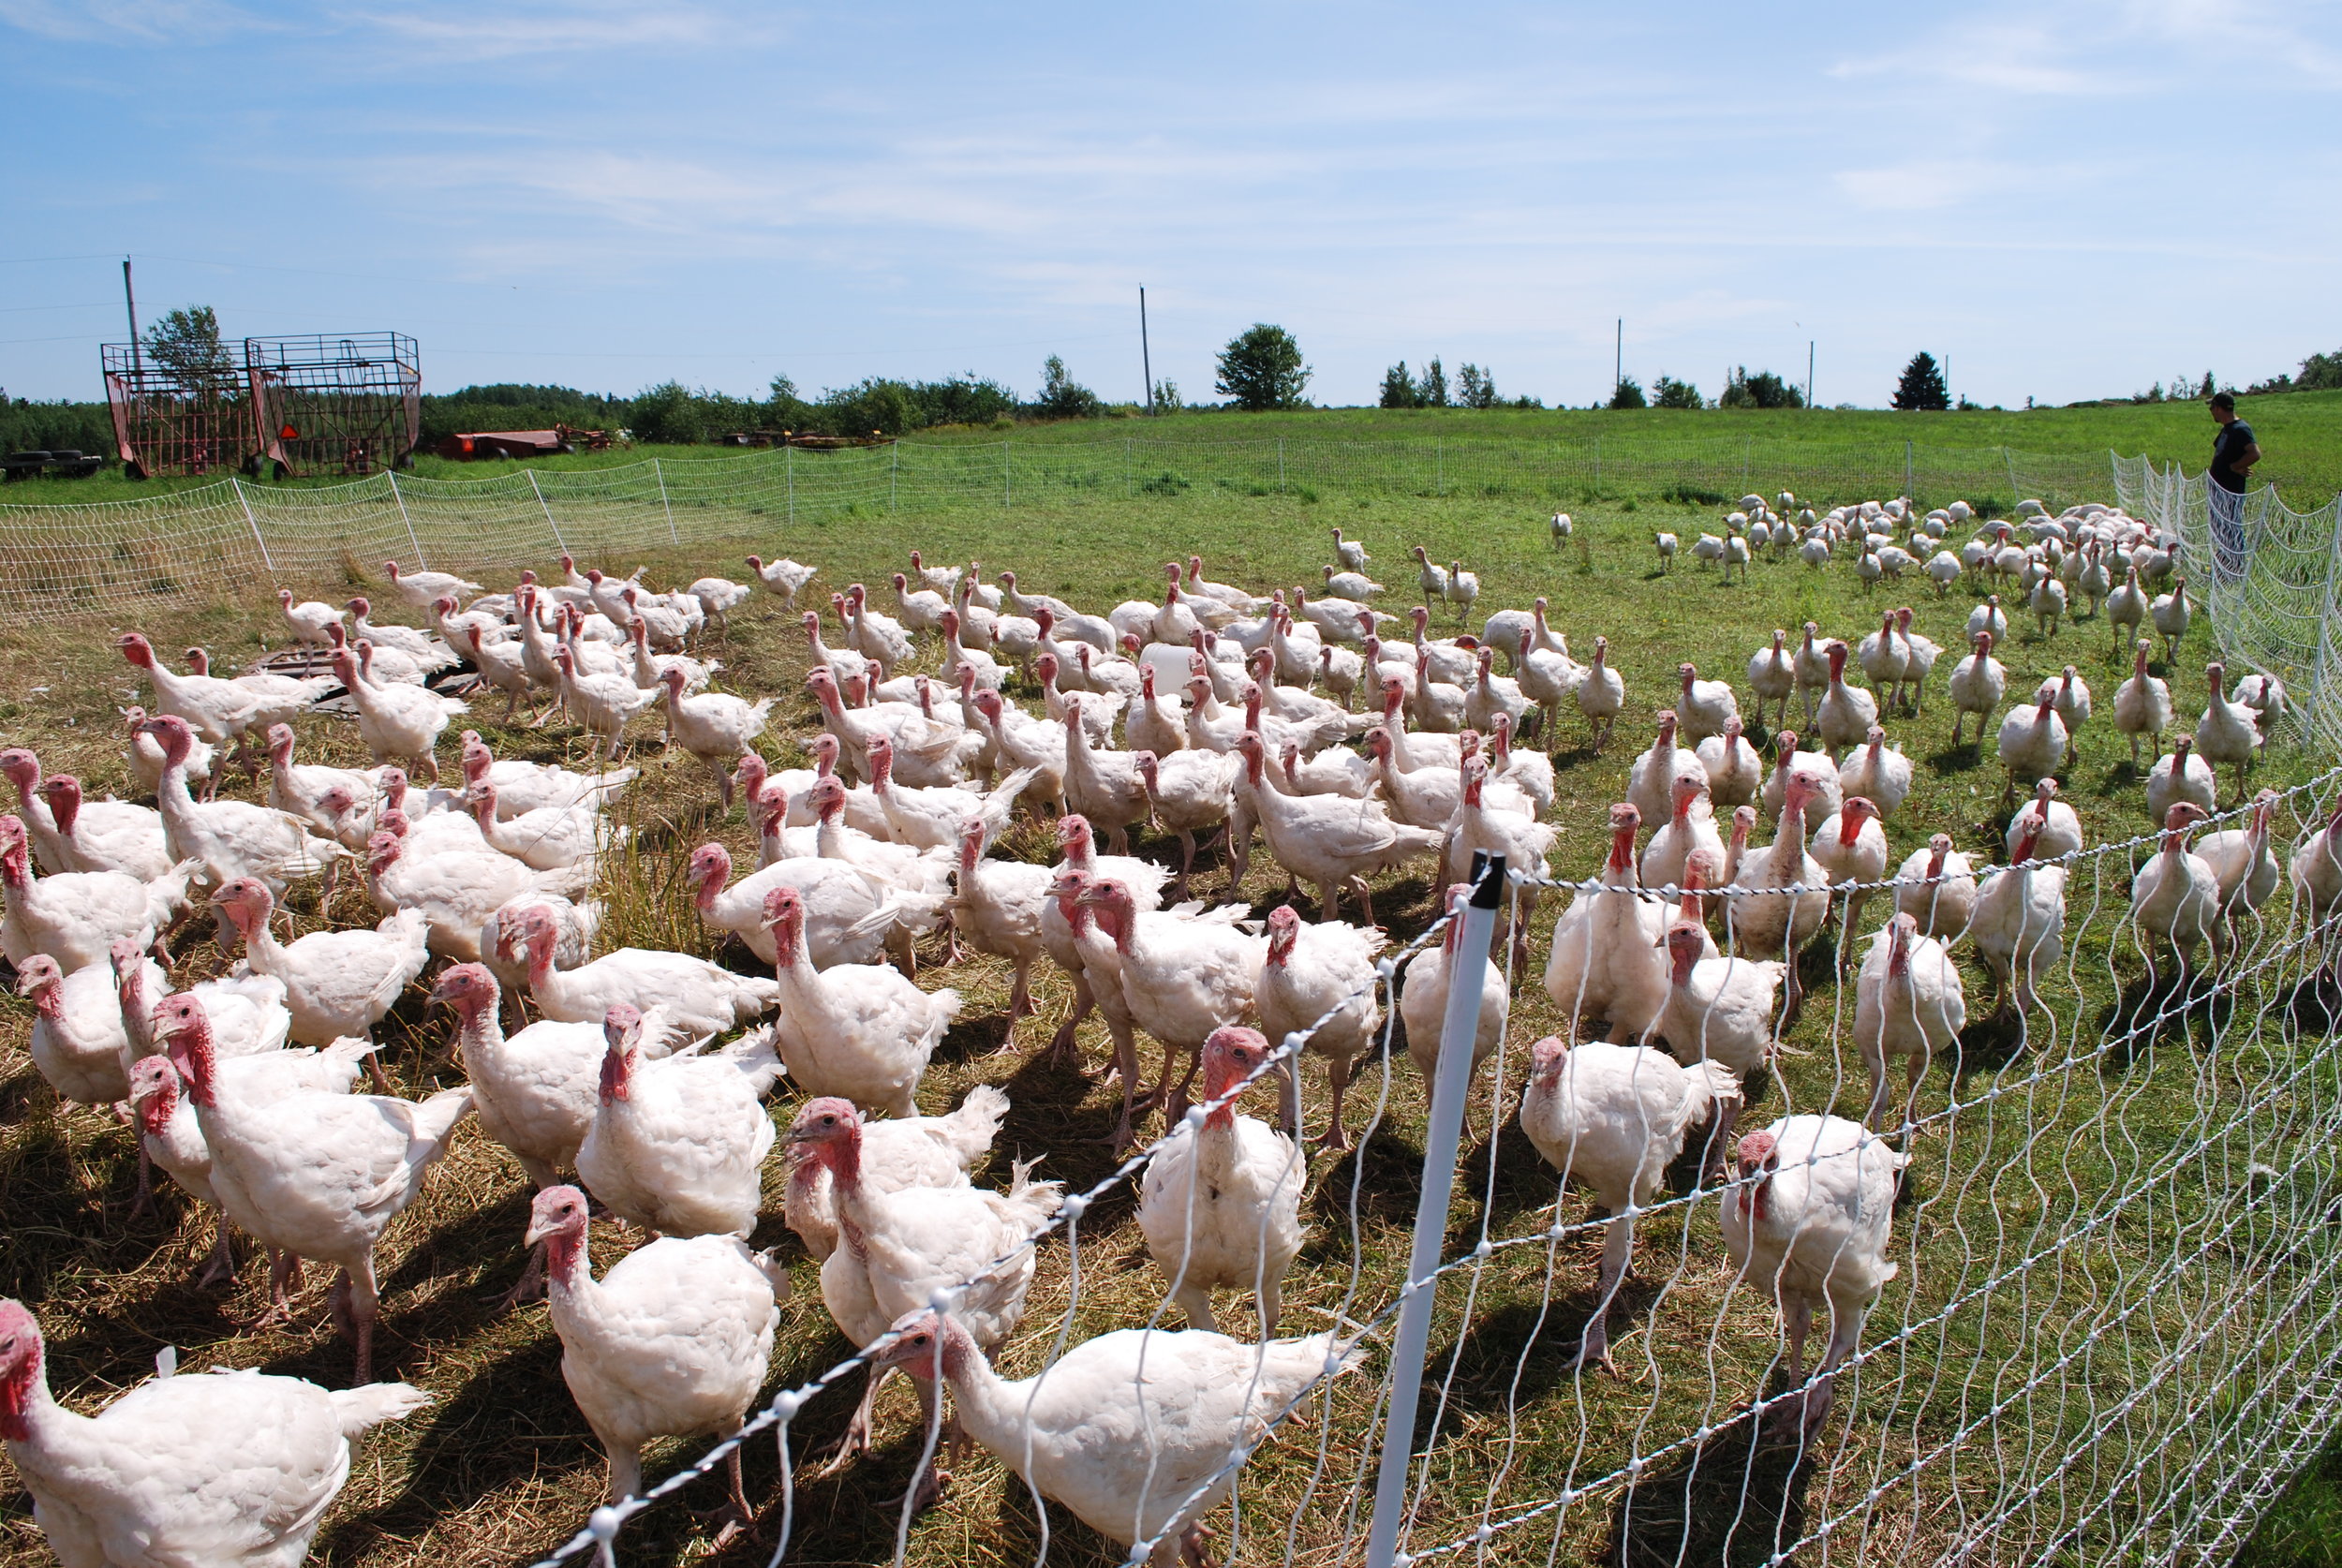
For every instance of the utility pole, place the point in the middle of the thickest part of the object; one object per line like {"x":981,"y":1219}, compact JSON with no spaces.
{"x":1146,"y":360}
{"x":1809,"y":373}
{"x":131,"y":303}
{"x":1618,"y":363}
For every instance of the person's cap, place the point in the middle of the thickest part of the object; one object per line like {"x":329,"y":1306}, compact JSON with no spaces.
{"x":2224,"y":400}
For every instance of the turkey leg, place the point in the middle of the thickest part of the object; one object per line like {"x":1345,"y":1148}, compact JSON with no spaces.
{"x":1618,"y":1247}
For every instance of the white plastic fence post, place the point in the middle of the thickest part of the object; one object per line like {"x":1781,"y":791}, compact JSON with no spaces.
{"x":421,"y":565}
{"x":1458,"y":1029}
{"x":894,"y":466}
{"x":1281,"y":464}
{"x":2016,"y":492}
{"x":1907,"y":473}
{"x":1003,"y":476}
{"x":660,"y":475}
{"x":252,"y":523}
{"x":547,"y":509}
{"x":789,"y":472}
{"x":1439,"y":466}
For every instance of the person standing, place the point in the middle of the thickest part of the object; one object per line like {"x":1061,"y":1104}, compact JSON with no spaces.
{"x":2233,"y":454}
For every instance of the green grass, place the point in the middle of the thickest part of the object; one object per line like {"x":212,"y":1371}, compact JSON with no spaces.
{"x":501,"y":1467}
{"x":2301,"y":433}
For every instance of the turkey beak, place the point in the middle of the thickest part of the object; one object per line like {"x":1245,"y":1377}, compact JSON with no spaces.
{"x":536,"y":1232}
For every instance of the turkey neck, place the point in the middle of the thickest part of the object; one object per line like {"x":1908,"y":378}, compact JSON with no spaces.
{"x":565,"y":1264}
{"x":27,"y":1413}
{"x":1788,"y":856}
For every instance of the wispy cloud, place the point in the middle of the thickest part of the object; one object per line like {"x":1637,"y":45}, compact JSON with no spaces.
{"x":1996,"y":54}
{"x":129,"y":21}
{"x":452,"y":35}
{"x":1924,"y":185}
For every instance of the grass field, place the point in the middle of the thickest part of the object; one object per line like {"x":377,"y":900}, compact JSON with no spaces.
{"x":2301,"y":433}
{"x":501,"y":1466}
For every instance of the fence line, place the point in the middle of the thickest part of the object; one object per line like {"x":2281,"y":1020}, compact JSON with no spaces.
{"x":2108,"y":1332}
{"x":107,"y":557}
{"x":2274,"y":609}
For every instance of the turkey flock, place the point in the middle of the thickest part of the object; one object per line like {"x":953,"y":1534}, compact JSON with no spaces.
{"x":1342,"y":741}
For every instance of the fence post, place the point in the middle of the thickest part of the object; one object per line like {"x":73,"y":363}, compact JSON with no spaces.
{"x":1907,"y":473}
{"x":789,"y":472}
{"x":1127,"y":493}
{"x":1004,"y":475}
{"x":253,"y":523}
{"x":421,"y":565}
{"x":660,"y":475}
{"x":894,"y":466}
{"x":1747,"y":447}
{"x":2015,"y":492}
{"x":1281,"y":464}
{"x":1438,"y":466}
{"x":1597,"y":463}
{"x":1457,"y":1031}
{"x":545,"y":507}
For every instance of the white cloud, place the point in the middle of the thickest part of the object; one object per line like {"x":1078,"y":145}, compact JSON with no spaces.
{"x":1924,"y":185}
{"x":451,"y":35}
{"x":1992,"y":55}
{"x":141,"y":21}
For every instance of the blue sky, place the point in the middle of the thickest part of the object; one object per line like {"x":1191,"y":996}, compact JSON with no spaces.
{"x":2068,"y":201}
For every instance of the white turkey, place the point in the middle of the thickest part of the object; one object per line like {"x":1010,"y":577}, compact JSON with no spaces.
{"x":1603,"y":962}
{"x":1180,"y":979}
{"x":2019,"y":924}
{"x":1221,"y":1204}
{"x":1809,"y":1225}
{"x":692,"y":995}
{"x":673,"y":1340}
{"x":419,"y":589}
{"x":679,"y":1142}
{"x":2176,"y":896}
{"x":856,"y":1032}
{"x":75,"y":917}
{"x":1138,"y":1432}
{"x":1428,"y":977}
{"x":1909,"y":1003}
{"x":896,"y":1152}
{"x":1614,"y":1118}
{"x":71,"y":833}
{"x":903,"y":1247}
{"x":338,"y":984}
{"x":1936,"y":887}
{"x":1319,"y":980}
{"x":313,"y":1176}
{"x":228,"y":1470}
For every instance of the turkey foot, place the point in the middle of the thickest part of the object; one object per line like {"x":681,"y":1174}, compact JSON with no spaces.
{"x":855,"y":1441}
{"x":223,"y":1260}
{"x":531,"y":1284}
{"x":735,"y":1518}
{"x":283,"y":1270}
{"x":1194,"y":1547}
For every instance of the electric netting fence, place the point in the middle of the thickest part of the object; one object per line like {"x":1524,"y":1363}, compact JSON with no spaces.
{"x":2084,"y":1261}
{"x":58,"y":562}
{"x":2268,"y":585}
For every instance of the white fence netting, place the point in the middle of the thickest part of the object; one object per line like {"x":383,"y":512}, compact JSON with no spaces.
{"x":2102,"y":1313}
{"x":2272,"y":597}
{"x":194,"y":545}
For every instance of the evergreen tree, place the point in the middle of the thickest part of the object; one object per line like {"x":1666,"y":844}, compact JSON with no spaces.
{"x":1476,"y":388}
{"x":1921,"y":387}
{"x":1669,"y":393}
{"x":1628,"y":395}
{"x":1398,"y":388}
